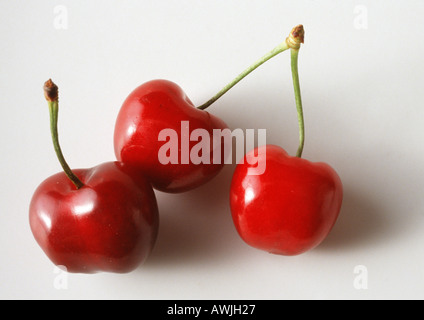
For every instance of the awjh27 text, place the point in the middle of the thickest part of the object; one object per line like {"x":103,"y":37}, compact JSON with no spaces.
{"x":225,"y":309}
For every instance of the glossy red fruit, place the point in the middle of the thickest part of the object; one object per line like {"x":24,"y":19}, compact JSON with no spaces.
{"x":151,"y":108}
{"x":110,"y":224}
{"x":290,"y":208}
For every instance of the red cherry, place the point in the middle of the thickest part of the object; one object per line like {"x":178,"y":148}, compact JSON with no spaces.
{"x":290,"y":208}
{"x":110,"y":224}
{"x":151,"y":108}
{"x":282,"y":204}
{"x":89,"y":220}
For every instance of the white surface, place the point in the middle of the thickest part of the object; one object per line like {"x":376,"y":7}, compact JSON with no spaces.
{"x":363,"y":96}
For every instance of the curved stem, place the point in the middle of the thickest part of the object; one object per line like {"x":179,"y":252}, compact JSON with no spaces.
{"x":51,"y":94}
{"x":277,"y":50}
{"x":296,"y":85}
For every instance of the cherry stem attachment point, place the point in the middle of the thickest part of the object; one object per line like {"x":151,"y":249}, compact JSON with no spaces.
{"x":51,"y":95}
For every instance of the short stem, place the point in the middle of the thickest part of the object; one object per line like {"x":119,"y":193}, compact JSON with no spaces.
{"x":51,"y":94}
{"x":277,"y":50}
{"x":298,"y":98}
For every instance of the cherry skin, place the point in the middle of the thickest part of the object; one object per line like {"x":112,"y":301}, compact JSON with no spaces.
{"x":151,"y":108}
{"x":109,"y":225}
{"x":290,"y":208}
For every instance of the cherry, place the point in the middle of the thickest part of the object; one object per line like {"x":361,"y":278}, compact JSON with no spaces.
{"x":160,"y":105}
{"x":292,"y":206}
{"x":110,"y":224}
{"x":89,"y":220}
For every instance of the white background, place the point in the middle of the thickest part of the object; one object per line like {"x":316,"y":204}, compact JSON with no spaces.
{"x":362,"y":85}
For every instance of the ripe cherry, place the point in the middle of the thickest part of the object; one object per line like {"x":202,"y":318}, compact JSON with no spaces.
{"x":292,"y":206}
{"x":90,"y":220}
{"x":150,"y":109}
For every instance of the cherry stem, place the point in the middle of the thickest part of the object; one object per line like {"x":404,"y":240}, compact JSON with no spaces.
{"x":51,"y":95}
{"x":298,"y":98}
{"x":277,"y":50}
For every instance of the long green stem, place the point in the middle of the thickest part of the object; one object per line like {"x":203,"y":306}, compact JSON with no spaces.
{"x":277,"y":50}
{"x":292,"y":42}
{"x":50,"y":92}
{"x":298,"y":98}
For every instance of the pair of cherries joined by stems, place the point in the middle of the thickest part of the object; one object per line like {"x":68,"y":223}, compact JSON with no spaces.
{"x":106,"y":218}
